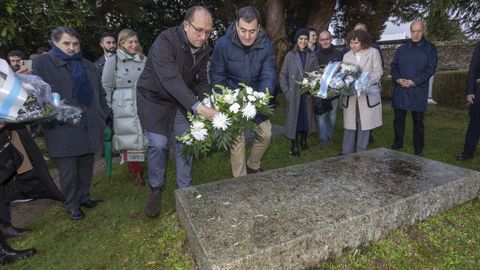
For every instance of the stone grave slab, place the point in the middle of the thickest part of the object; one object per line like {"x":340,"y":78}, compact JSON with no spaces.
{"x":295,"y":217}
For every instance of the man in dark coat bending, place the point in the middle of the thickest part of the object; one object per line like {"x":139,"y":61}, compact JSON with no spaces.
{"x":414,"y":63}
{"x":172,"y":82}
{"x":245,"y":55}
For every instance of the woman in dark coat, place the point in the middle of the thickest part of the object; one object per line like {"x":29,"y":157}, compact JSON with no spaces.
{"x":300,"y":116}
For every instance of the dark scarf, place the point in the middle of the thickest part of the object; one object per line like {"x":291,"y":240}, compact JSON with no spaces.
{"x":82,"y":90}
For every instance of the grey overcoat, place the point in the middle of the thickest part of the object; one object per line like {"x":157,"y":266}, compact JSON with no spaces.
{"x":291,"y":73}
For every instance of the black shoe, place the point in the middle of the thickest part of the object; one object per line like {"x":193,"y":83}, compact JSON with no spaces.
{"x":303,"y":141}
{"x":10,"y":231}
{"x":10,"y":255}
{"x":464,"y":157}
{"x":418,"y":153}
{"x":90,"y":203}
{"x":152,"y":207}
{"x":395,"y":147}
{"x":293,"y":149}
{"x":76,"y":214}
{"x":252,"y":171}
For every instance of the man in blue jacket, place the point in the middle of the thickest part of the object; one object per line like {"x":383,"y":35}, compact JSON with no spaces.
{"x":414,"y":63}
{"x":472,"y":92}
{"x":245,"y":55}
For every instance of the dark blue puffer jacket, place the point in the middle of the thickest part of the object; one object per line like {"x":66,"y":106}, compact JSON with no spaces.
{"x":231,"y":64}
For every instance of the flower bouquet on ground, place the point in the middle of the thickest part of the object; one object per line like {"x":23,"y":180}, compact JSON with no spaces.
{"x":236,"y":110}
{"x":25,"y":98}
{"x":335,"y":79}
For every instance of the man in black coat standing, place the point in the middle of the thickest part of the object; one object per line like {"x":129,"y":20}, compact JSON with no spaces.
{"x":473,"y":94}
{"x":172,"y":82}
{"x":73,"y":147}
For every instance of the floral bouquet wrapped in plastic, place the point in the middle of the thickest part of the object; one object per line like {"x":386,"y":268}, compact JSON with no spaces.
{"x":237,"y":108}
{"x":25,"y":98}
{"x":335,"y":79}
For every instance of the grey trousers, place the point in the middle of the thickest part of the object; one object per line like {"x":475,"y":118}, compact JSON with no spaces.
{"x":75,"y":175}
{"x":349,"y":137}
{"x":157,"y":156}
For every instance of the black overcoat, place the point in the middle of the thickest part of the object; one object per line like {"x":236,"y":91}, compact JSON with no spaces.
{"x":173,"y":78}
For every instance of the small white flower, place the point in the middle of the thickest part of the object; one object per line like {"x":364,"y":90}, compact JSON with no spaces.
{"x":251,"y":98}
{"x":259,"y":95}
{"x":221,"y":121}
{"x":235,"y":107}
{"x":206,"y":102}
{"x":249,"y":90}
{"x":228,"y":98}
{"x":305,"y":81}
{"x":249,"y":111}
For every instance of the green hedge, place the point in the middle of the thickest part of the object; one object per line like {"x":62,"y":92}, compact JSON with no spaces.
{"x":448,"y":88}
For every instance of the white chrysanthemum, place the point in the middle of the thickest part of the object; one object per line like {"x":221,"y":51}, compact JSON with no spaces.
{"x":249,"y":111}
{"x":249,"y":90}
{"x":221,"y":121}
{"x":305,"y":81}
{"x":199,"y":133}
{"x":228,"y":98}
{"x":251,"y":98}
{"x":197,"y":125}
{"x":235,"y":107}
{"x":259,"y":95}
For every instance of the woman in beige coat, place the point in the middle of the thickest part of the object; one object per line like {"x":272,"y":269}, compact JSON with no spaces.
{"x":362,"y":114}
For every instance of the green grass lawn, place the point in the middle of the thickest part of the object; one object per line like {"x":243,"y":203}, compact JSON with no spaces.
{"x":117,"y":235}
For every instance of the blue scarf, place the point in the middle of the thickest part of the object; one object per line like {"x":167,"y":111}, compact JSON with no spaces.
{"x":82,"y":90}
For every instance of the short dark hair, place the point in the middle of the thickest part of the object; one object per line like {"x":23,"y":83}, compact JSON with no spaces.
{"x":57,"y":33}
{"x":41,"y":50}
{"x":17,"y":53}
{"x":362,"y":36}
{"x":106,"y":34}
{"x":248,"y":14}
{"x":192,"y":10}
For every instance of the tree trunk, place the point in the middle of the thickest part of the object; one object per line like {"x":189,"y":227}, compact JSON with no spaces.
{"x":275,"y":27}
{"x":321,"y":14}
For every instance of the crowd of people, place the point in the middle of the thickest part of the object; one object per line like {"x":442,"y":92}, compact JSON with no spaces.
{"x":146,"y":99}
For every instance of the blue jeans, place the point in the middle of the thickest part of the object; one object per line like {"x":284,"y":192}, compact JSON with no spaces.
{"x":157,"y":156}
{"x":326,"y":121}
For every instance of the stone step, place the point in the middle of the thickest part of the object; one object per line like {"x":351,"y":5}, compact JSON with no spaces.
{"x":295,"y":217}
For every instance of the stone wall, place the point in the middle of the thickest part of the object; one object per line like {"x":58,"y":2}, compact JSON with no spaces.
{"x":449,"y":56}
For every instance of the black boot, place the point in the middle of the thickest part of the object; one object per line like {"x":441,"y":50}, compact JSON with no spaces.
{"x":294,"y":148}
{"x":152,"y":207}
{"x":10,"y":231}
{"x":10,"y":255}
{"x":303,"y":140}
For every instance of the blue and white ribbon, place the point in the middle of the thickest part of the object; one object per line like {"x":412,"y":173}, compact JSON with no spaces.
{"x":327,"y":76}
{"x":361,"y":83}
{"x":12,"y":94}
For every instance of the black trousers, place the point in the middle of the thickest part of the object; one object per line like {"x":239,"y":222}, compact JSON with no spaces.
{"x":75,"y":175}
{"x":9,"y":191}
{"x":418,"y":129}
{"x":473,"y":130}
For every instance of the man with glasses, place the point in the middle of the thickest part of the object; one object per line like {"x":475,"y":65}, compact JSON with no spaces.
{"x":172,"y":82}
{"x":245,"y":55}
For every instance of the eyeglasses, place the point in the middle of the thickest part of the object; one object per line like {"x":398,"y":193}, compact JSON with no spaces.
{"x":201,"y":31}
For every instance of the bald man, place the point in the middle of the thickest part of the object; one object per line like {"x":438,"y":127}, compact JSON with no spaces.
{"x":414,"y":63}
